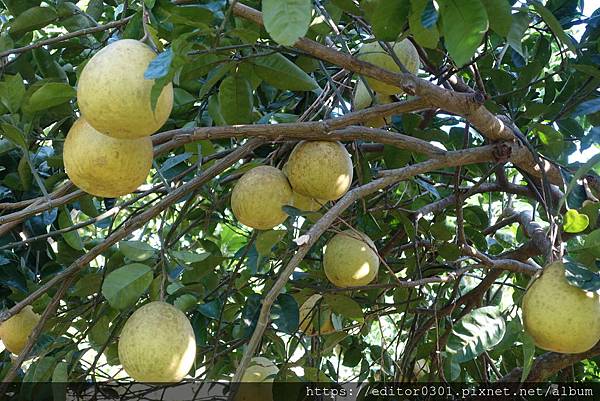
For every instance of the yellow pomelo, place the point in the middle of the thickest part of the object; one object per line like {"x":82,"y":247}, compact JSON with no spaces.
{"x":257,"y":381}
{"x":114,"y":96}
{"x":105,"y":166}
{"x":312,"y":314}
{"x":375,"y":54}
{"x":15,"y":331}
{"x":320,"y":169}
{"x":558,"y":316}
{"x":350,"y":259}
{"x":157,"y":344}
{"x":362,"y":100}
{"x":306,"y":203}
{"x":259,"y":196}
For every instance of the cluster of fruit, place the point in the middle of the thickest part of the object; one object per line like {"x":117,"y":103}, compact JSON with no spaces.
{"x":108,"y":151}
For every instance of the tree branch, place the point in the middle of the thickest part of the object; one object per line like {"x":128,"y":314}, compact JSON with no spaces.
{"x":548,"y":364}
{"x":468,"y":105}
{"x":136,"y":222}
{"x":450,"y":159}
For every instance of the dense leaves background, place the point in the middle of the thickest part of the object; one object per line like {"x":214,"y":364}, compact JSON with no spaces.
{"x":535,"y":62}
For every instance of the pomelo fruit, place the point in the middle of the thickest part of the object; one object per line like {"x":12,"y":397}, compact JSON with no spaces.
{"x":15,"y":331}
{"x":375,"y":54}
{"x":157,"y":344}
{"x":114,"y":96}
{"x":362,"y":100}
{"x":350,"y":259}
{"x":559,"y":316}
{"x":258,"y":197}
{"x":320,"y":169}
{"x":105,"y":166}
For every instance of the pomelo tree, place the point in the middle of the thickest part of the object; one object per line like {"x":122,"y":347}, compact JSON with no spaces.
{"x":483,"y":169}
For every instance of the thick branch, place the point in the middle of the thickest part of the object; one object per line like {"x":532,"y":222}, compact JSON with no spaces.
{"x":465,"y":104}
{"x":313,"y":130}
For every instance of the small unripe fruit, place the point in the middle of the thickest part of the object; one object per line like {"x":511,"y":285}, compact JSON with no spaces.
{"x":559,"y":316}
{"x":259,"y":196}
{"x":114,"y":96}
{"x":350,"y":259}
{"x":105,"y":166}
{"x":375,"y":54}
{"x":320,"y":169}
{"x":157,"y":344}
{"x":15,"y":331}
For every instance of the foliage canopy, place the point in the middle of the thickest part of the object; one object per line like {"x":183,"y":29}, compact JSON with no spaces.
{"x":450,"y":190}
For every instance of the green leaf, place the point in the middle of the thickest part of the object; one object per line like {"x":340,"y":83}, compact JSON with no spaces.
{"x":449,"y":251}
{"x":189,"y":257}
{"x":590,"y":70}
{"x":87,"y":285}
{"x":14,"y":134}
{"x":235,"y":100}
{"x":348,"y":6}
{"x":214,"y":76}
{"x":99,"y":334}
{"x":41,"y":370}
{"x":95,"y":8}
{"x":73,"y":18}
{"x":464,"y":24}
{"x":17,"y":7}
{"x":520,"y":23}
{"x":575,"y":222}
{"x":32,"y":19}
{"x":138,"y":251}
{"x":501,"y":16}
{"x":25,"y":175}
{"x":430,"y":15}
{"x":50,"y":95}
{"x":280,"y":72}
{"x":586,"y":108}
{"x":123,"y":287}
{"x":394,"y":157}
{"x":528,"y":355}
{"x":48,"y":66}
{"x":285,"y":315}
{"x":266,"y":240}
{"x":442,"y":231}
{"x":476,"y":332}
{"x":554,"y":25}
{"x":344,"y":306}
{"x":387,"y":17}
{"x":426,"y":37}
{"x":61,"y":373}
{"x":159,"y":67}
{"x":287,"y":20}
{"x":186,"y":302}
{"x":12,"y":92}
{"x":580,"y":276}
{"x":583,"y":170}
{"x":72,"y":237}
